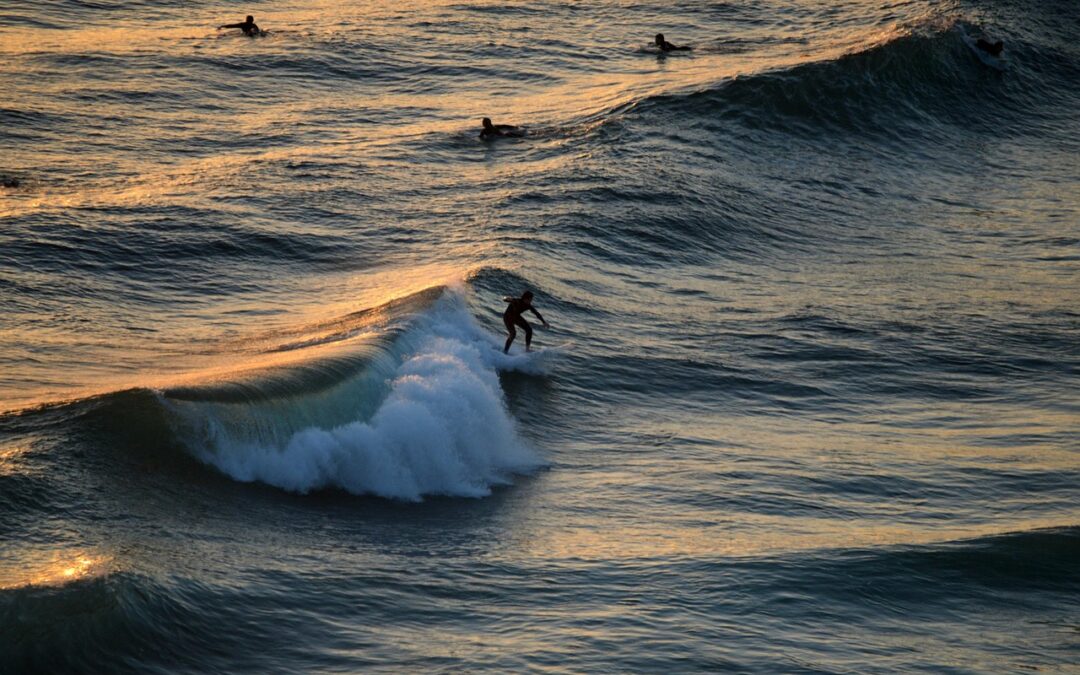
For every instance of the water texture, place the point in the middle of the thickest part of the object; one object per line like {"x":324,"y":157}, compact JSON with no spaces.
{"x":809,"y":402}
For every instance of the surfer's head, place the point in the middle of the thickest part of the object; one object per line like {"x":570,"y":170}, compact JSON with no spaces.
{"x":250,"y":19}
{"x":487,"y":123}
{"x":660,"y":38}
{"x":527,"y":295}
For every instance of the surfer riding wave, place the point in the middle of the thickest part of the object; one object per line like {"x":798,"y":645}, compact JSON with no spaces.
{"x":513,"y":317}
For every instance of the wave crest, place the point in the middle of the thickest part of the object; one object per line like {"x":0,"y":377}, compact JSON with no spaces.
{"x":442,"y":427}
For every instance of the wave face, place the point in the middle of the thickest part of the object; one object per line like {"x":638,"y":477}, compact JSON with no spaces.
{"x":819,"y":275}
{"x":894,"y":86}
{"x":441,"y":428}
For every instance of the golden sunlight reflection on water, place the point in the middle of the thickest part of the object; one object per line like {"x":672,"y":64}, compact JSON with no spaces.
{"x":132,"y":168}
{"x":751,"y":535}
{"x":32,"y":567}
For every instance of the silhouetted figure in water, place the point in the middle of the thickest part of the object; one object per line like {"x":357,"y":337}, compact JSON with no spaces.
{"x":993,"y":49}
{"x":248,"y":27}
{"x":666,"y":46}
{"x":496,"y":130}
{"x":10,"y":181}
{"x":512,"y":316}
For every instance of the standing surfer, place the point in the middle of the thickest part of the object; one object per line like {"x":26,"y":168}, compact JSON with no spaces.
{"x":512,"y":316}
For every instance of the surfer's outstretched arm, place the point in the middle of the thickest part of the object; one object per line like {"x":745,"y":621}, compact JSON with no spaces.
{"x":533,"y":310}
{"x":247,"y":25}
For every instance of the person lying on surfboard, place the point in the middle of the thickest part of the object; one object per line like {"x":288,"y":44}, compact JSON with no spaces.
{"x":512,"y":316}
{"x":248,"y":27}
{"x":494,"y":130}
{"x":666,"y":46}
{"x":991,"y":48}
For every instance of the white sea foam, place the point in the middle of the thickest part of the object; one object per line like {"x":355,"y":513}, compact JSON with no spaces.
{"x":443,"y":428}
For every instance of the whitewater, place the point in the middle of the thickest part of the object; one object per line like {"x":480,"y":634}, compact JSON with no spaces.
{"x":442,"y":428}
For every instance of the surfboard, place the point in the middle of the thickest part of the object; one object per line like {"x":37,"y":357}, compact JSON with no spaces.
{"x":539,"y":354}
{"x":540,"y":361}
{"x":995,"y":62}
{"x":554,"y":349}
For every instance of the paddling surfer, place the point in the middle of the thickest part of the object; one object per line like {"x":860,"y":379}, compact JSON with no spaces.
{"x":991,"y":48}
{"x":496,"y":130}
{"x":666,"y":46}
{"x":248,"y":26}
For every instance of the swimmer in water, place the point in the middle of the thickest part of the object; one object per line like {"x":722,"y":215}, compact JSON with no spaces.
{"x":666,"y":46}
{"x":248,"y":27}
{"x":991,"y":48}
{"x":512,"y":316}
{"x":495,"y":130}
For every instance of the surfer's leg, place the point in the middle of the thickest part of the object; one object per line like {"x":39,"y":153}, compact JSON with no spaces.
{"x":528,"y":332}
{"x":513,"y":333}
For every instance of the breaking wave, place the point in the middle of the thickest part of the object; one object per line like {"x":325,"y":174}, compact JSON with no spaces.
{"x":428,"y":418}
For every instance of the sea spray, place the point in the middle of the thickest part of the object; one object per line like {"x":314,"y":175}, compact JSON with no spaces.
{"x":442,"y":428}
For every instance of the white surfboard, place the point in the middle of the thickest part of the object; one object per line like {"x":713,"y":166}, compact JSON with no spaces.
{"x":538,"y":362}
{"x":548,"y":352}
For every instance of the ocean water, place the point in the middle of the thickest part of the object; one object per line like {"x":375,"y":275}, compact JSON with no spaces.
{"x":809,"y":402}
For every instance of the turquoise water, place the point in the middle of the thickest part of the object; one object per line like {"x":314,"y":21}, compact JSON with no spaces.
{"x":808,"y":402}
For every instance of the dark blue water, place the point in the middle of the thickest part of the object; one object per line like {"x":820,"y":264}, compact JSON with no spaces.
{"x":809,"y":402}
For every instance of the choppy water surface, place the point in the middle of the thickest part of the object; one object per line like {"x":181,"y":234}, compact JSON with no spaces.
{"x":811,"y":399}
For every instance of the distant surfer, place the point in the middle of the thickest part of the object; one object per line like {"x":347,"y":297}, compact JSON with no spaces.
{"x":512,"y":316}
{"x":248,"y":27}
{"x":496,"y":130}
{"x":666,"y":46}
{"x":991,"y":48}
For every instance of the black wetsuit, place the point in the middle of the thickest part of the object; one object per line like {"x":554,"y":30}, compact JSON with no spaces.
{"x":249,"y":29}
{"x":666,"y":46}
{"x":512,"y":316}
{"x":993,"y":49}
{"x":499,"y":130}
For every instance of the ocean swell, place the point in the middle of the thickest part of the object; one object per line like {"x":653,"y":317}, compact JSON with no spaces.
{"x":896,"y":89}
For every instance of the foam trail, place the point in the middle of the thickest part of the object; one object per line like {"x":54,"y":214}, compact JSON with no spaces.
{"x":443,"y":428}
